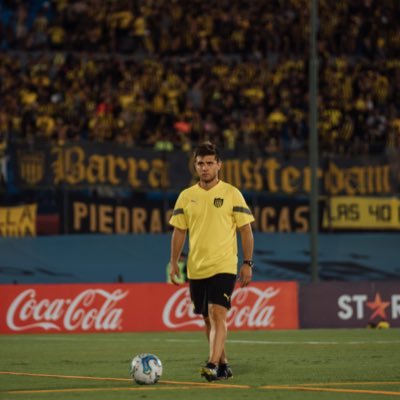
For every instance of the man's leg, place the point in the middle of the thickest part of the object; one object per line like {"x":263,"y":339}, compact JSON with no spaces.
{"x":217,"y":341}
{"x":218,"y":332}
{"x":219,"y":290}
{"x":223,"y":359}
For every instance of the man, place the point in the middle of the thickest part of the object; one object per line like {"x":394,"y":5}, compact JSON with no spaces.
{"x":212,"y":211}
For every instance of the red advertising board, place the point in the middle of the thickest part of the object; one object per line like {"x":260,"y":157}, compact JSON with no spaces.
{"x":349,"y":304}
{"x":138,"y":307}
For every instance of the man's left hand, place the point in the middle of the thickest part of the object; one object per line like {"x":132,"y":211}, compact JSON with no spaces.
{"x":245,"y":275}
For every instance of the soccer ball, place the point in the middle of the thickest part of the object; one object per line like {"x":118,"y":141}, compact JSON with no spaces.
{"x":146,"y":369}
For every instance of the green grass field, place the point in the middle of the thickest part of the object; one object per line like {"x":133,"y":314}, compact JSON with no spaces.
{"x":286,"y":365}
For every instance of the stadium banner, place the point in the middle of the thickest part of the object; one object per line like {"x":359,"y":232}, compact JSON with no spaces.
{"x":105,"y":215}
{"x":18,"y":221}
{"x":82,"y":164}
{"x":121,"y":216}
{"x":73,"y":308}
{"x":372,"y":213}
{"x":282,"y":214}
{"x":349,"y":304}
{"x":115,"y":216}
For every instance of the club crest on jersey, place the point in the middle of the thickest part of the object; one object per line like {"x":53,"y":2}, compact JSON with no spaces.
{"x":218,"y":202}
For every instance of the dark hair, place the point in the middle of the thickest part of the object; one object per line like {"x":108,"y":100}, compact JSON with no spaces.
{"x":206,"y":149}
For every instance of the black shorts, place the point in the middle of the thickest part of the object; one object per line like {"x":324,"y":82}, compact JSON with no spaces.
{"x":214,"y":290}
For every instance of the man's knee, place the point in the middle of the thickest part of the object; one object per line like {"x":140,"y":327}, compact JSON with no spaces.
{"x":217,"y":312}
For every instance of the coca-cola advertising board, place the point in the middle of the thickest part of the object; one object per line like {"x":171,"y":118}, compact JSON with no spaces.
{"x":78,"y":308}
{"x":349,"y":304}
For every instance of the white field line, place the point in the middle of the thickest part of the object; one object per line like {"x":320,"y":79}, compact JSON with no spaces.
{"x":311,"y":342}
{"x":48,"y":338}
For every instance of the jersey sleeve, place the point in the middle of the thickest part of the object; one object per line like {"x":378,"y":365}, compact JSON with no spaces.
{"x":241,"y":211}
{"x":178,"y":219}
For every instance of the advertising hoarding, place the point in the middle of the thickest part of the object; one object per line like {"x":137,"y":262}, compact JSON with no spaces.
{"x":79,"y":308}
{"x":349,"y":304}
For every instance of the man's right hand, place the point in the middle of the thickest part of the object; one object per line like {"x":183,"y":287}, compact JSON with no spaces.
{"x":174,"y":273}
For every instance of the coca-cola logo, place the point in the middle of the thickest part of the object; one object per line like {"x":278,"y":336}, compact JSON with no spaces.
{"x":251,"y":308}
{"x":91,"y":309}
{"x":178,"y":311}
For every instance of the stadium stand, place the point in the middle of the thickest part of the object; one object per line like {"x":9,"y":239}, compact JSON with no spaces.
{"x":166,"y":74}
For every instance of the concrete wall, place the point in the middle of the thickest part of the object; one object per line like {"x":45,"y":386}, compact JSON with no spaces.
{"x":143,"y":258}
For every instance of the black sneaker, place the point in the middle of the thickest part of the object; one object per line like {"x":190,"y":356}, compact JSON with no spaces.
{"x":224,"y":371}
{"x":209,"y":371}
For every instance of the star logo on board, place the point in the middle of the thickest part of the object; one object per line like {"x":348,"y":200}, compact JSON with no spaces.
{"x":378,"y":307}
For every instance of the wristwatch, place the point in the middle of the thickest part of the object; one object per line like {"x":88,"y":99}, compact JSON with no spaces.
{"x":249,"y":263}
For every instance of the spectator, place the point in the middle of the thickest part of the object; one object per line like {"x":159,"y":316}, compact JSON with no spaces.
{"x":234,"y":72}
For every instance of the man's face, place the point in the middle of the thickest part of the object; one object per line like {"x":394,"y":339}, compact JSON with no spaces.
{"x":207,"y":168}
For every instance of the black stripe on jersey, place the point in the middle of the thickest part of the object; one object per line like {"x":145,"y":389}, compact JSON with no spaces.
{"x":178,"y":211}
{"x":242,"y":210}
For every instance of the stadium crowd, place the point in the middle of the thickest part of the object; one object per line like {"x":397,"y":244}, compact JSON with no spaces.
{"x":168,"y":73}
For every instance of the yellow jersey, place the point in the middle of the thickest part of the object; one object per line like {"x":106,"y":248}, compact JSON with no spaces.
{"x":211,"y":218}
